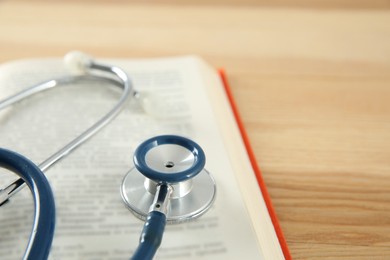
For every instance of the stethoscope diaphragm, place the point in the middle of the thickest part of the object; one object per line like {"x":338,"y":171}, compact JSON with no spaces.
{"x":175,"y":161}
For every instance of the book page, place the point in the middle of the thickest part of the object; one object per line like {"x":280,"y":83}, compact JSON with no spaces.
{"x":92,"y":221}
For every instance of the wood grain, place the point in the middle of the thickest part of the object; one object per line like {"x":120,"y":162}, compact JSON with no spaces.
{"x":312,"y":84}
{"x":310,"y":4}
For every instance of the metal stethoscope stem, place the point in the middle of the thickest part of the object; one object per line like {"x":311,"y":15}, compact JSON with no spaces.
{"x":114,"y":75}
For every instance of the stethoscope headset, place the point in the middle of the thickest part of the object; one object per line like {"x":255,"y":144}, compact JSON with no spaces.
{"x":167,"y":185}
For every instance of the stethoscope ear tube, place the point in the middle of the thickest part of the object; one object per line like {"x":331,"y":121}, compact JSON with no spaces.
{"x":44,"y":217}
{"x":82,"y":63}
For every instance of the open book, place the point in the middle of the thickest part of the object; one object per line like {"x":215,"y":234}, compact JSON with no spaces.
{"x":92,"y":221}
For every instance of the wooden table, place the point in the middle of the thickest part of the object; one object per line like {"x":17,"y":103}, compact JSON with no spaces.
{"x":312,"y":81}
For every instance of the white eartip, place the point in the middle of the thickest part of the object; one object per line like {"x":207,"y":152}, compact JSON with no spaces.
{"x":164,"y":106}
{"x":77,"y":62}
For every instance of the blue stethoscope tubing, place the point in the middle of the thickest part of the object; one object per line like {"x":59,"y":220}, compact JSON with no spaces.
{"x":44,"y":216}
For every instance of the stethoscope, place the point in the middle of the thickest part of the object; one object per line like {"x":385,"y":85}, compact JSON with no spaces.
{"x":168,"y":183}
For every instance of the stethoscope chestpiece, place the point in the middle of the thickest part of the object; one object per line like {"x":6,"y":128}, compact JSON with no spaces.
{"x":174,"y":161}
